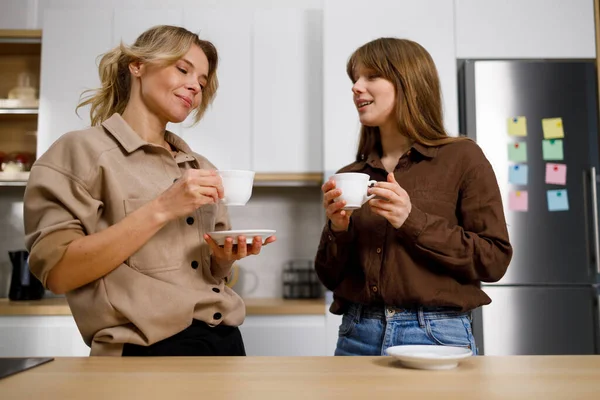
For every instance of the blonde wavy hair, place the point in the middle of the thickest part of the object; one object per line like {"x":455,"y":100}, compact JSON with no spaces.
{"x":160,"y":45}
{"x":410,"y":68}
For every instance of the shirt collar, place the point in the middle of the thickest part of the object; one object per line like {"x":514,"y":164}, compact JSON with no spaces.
{"x":374,"y":160}
{"x":131,"y":141}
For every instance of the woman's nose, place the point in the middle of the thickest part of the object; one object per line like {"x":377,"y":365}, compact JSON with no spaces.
{"x":358,"y":87}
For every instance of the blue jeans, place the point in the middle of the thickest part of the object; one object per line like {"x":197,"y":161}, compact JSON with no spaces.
{"x":369,"y":331}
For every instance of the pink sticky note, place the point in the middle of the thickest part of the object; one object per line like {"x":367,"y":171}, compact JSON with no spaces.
{"x":517,"y":200}
{"x":556,"y":174}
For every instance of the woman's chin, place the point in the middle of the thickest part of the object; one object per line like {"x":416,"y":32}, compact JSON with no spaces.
{"x":368,"y":122}
{"x":178,"y":118}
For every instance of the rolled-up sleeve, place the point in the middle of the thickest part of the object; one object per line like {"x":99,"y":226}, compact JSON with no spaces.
{"x":57,"y":209}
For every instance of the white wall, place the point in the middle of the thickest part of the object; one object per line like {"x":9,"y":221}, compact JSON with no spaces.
{"x":525,"y":29}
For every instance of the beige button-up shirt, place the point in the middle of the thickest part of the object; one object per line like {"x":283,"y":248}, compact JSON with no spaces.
{"x":91,"y":179}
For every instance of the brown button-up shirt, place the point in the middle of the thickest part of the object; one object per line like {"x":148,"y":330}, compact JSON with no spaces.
{"x":89,"y":180}
{"x":454,"y":238}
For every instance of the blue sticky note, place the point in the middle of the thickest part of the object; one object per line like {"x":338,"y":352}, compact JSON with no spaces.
{"x":517,"y":174}
{"x":558,"y":200}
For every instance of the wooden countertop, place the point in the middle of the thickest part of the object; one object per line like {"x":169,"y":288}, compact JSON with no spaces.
{"x":484,"y":377}
{"x":270,"y":306}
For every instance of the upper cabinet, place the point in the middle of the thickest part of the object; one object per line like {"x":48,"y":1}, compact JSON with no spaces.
{"x":71,"y":44}
{"x":287,"y":104}
{"x":18,"y":14}
{"x":525,"y":29}
{"x":350,"y":23}
{"x":224,"y":135}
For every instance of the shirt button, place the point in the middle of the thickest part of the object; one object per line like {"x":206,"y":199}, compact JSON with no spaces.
{"x":378,"y":250}
{"x":374,"y":288}
{"x":216,"y":290}
{"x":190,"y":220}
{"x":194,"y":264}
{"x":217,"y":315}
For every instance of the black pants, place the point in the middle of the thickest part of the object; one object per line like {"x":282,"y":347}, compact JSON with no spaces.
{"x":199,"y":339}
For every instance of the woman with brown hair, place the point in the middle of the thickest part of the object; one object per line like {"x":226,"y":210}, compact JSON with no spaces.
{"x":406,"y":267}
{"x":117,"y":215}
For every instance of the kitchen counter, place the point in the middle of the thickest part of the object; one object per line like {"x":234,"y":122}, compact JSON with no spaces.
{"x":268,"y":306}
{"x":522,"y":377}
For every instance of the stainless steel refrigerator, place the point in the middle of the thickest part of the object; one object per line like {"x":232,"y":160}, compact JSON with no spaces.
{"x":517,"y":110}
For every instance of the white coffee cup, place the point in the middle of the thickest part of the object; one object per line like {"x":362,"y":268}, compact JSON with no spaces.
{"x":237,"y":186}
{"x":354,"y":186}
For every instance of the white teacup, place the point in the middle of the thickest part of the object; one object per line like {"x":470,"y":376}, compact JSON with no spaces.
{"x":354,"y":186}
{"x":237,"y":186}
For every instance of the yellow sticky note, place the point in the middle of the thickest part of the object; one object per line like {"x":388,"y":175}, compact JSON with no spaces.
{"x":553,"y":128}
{"x":517,"y":126}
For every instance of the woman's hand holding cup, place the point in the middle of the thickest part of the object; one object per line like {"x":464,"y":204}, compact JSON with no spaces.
{"x":340,"y":218}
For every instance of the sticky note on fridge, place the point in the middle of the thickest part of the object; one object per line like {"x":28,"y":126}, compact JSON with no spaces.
{"x":553,"y":128}
{"x":558,"y":200}
{"x":556,"y":174}
{"x":518,"y":200}
{"x":517,"y":126}
{"x":553,"y":149}
{"x":517,"y":174}
{"x":517,"y":152}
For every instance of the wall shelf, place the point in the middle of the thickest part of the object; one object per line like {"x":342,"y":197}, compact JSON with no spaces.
{"x":288,"y":179}
{"x":14,"y":178}
{"x":24,"y":111}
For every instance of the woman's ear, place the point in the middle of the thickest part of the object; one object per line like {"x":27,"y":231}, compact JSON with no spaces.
{"x":136,"y":68}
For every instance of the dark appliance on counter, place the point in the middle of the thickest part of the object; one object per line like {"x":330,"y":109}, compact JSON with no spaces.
{"x":23,"y":284}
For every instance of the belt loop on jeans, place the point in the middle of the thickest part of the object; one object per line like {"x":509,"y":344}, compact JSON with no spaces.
{"x":359,"y":311}
{"x":421,"y":317}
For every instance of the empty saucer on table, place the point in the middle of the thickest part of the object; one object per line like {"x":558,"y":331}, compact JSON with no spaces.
{"x":220,"y":236}
{"x":429,"y":357}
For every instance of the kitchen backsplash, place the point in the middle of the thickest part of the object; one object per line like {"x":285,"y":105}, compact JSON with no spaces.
{"x":294,"y":212}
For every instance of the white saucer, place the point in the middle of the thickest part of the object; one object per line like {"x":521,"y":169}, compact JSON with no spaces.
{"x":429,"y":357}
{"x":220,"y":236}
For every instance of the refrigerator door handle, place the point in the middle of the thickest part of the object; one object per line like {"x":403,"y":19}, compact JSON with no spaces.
{"x":593,"y":184}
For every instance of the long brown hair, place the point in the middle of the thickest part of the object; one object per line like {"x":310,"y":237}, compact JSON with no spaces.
{"x":160,"y":45}
{"x":412,"y":71}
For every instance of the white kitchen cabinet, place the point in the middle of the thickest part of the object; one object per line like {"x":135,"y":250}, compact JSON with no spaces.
{"x":68,"y":67}
{"x":18,"y":14}
{"x":285,"y":335}
{"x":348,"y":24}
{"x":264,"y":335}
{"x":41,"y":336}
{"x":287,"y":58}
{"x":224,"y":133}
{"x":128,"y":24}
{"x":525,"y":29}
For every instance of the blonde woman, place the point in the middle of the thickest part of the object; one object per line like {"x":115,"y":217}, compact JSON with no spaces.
{"x":406,"y":267}
{"x":116,"y":215}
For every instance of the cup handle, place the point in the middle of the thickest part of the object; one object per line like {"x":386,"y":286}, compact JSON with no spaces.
{"x":369,"y":197}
